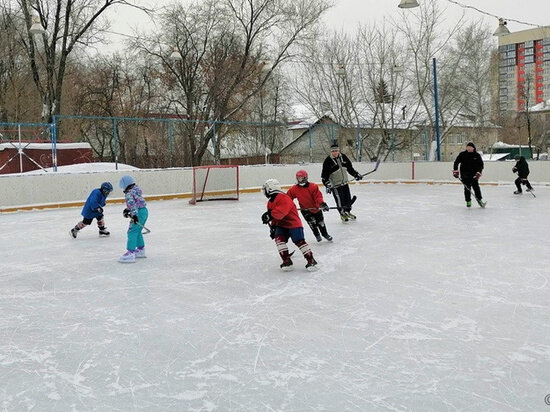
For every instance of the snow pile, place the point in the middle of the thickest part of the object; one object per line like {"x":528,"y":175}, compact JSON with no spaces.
{"x":85,"y":168}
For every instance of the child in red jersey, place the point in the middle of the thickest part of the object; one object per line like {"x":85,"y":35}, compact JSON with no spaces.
{"x":284,"y":221}
{"x":311,"y":202}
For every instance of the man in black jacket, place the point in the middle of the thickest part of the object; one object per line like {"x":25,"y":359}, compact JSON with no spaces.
{"x":522,"y":169}
{"x":335,"y":178}
{"x":471,"y":166}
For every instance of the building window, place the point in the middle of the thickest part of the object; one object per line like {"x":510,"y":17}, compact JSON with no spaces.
{"x":457,"y":138}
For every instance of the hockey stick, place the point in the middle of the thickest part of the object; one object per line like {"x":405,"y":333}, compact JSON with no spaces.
{"x":525,"y":179}
{"x":145,"y":229}
{"x":352,"y":201}
{"x":363,"y":175}
{"x":317,"y":208}
{"x":373,"y":170}
{"x":481,"y":204}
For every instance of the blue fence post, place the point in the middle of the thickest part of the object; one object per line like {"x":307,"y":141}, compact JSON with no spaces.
{"x":171,"y":141}
{"x":115,"y":136}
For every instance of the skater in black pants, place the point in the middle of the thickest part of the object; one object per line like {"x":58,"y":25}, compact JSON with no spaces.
{"x":471,"y":166}
{"x":522,"y":169}
{"x":335,"y":178}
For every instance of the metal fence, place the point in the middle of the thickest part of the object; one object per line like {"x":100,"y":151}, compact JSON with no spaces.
{"x":178,"y":142}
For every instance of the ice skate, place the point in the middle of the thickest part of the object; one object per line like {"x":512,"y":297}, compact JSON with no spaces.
{"x":318,"y":237}
{"x":311,"y":265}
{"x":140,"y":253}
{"x":468,"y":204}
{"x":128,"y":257}
{"x":530,"y":189}
{"x":481,"y":203}
{"x":287,"y":266}
{"x":103,"y":232}
{"x":519,"y":192}
{"x":344,"y":217}
{"x":74,"y":233}
{"x":351,"y":216}
{"x":328,"y":237}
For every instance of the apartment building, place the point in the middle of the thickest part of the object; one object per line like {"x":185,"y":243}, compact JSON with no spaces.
{"x":524,"y":69}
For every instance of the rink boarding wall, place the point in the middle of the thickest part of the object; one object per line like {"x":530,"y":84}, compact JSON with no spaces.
{"x":52,"y":190}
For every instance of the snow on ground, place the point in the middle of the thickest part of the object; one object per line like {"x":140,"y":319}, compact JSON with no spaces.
{"x":84,"y":168}
{"x":421,"y":304}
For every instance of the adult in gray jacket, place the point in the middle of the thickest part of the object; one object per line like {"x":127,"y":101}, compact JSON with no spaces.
{"x":334,"y":176}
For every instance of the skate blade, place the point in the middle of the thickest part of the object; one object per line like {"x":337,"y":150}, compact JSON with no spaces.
{"x":312,"y":268}
{"x":287,"y":268}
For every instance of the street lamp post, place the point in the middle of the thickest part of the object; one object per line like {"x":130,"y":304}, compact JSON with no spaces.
{"x":436,"y":109}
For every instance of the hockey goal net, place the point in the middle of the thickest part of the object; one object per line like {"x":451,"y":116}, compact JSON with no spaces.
{"x":216,"y":182}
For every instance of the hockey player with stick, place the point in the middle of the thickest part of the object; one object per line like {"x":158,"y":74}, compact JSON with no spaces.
{"x":93,"y":209}
{"x":335,"y":178}
{"x":136,"y":210}
{"x":311,"y":202}
{"x":471,"y":166}
{"x":522,"y":169}
{"x":282,"y":217}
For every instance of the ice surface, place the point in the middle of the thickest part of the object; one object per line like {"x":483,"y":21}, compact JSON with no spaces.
{"x":421,"y":304}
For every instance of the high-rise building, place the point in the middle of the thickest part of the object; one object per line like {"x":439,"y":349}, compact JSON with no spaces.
{"x":524,"y":69}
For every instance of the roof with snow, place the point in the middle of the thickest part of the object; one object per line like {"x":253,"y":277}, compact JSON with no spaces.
{"x":541,"y":107}
{"x":43,"y":146}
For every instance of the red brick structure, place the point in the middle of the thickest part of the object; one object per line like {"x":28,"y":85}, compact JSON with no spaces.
{"x":16,"y":157}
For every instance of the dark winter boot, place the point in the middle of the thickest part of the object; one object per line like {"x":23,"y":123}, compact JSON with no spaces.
{"x":103,"y":232}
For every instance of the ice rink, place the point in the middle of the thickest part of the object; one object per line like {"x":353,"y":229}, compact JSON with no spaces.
{"x":421,"y":305}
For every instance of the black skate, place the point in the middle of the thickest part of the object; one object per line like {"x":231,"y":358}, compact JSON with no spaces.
{"x":328,"y":237}
{"x":311,"y":265}
{"x":344,"y":217}
{"x":351,"y":216}
{"x":104,"y":232}
{"x":319,"y":238}
{"x":287,"y":265}
{"x":519,"y":192}
{"x":482,"y":203}
{"x":73,"y":232}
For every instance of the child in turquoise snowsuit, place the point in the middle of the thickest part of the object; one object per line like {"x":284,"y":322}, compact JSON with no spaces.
{"x":136,"y":210}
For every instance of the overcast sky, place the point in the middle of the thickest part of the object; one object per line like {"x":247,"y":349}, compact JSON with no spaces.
{"x":347,"y":14}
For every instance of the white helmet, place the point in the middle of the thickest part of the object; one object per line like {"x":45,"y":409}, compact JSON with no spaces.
{"x":271,"y":186}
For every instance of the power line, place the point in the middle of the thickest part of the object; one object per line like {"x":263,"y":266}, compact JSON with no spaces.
{"x":466,"y":6}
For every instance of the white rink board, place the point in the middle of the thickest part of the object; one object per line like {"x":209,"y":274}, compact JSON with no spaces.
{"x":59,"y":188}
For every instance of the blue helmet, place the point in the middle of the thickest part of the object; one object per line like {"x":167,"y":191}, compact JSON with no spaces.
{"x":106,"y":188}
{"x":126,"y":181}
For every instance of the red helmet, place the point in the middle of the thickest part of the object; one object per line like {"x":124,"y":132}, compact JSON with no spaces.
{"x":301,"y":177}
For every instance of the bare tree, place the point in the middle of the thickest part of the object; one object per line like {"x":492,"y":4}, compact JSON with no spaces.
{"x":230,"y":49}
{"x":15,"y":94}
{"x":68,"y":24}
{"x":424,"y":40}
{"x":357,"y":82}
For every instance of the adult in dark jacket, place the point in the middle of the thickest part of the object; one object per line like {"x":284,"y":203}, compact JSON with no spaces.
{"x":522,"y":169}
{"x":335,"y":178}
{"x":471,"y":166}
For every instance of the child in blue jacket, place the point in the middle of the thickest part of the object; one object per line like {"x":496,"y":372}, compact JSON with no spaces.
{"x":93,"y":209}
{"x":136,"y":210}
